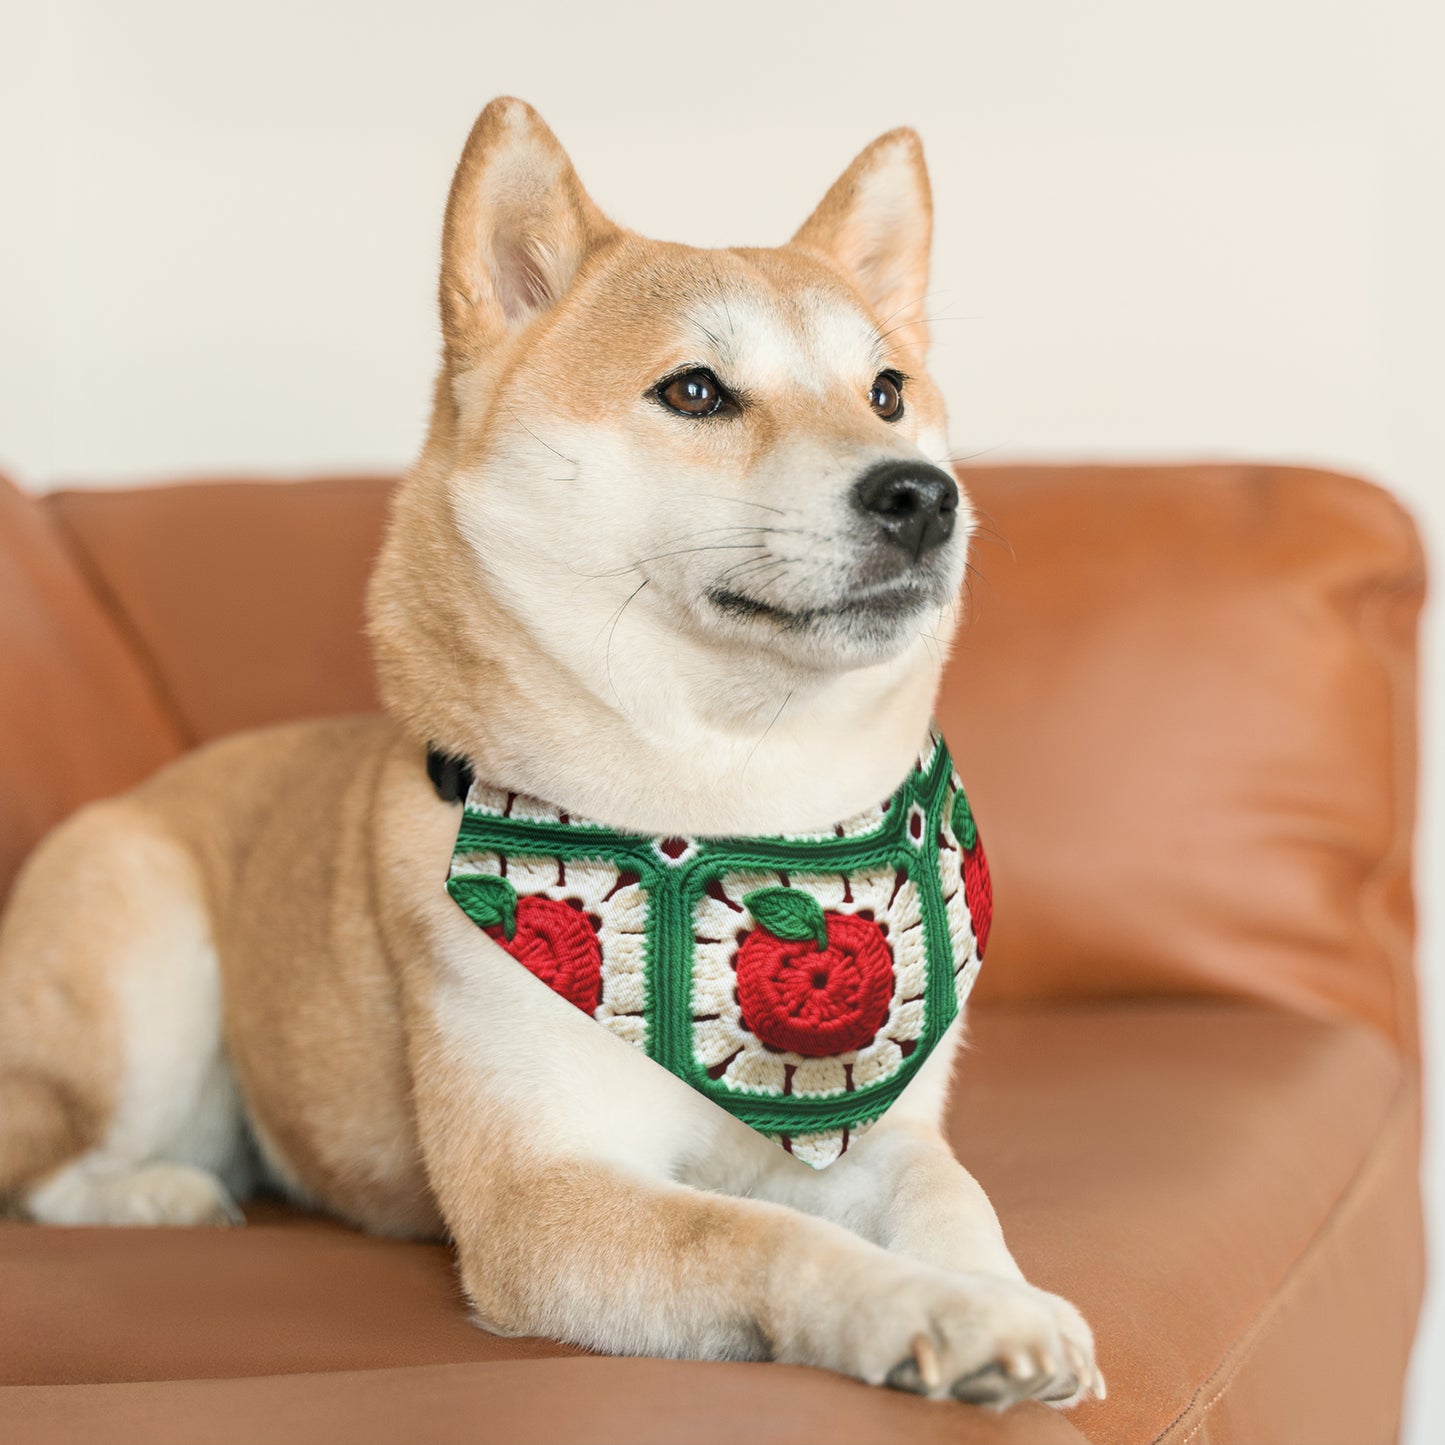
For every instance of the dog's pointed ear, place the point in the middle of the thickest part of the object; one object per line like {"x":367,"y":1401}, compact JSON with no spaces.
{"x":518,"y":227}
{"x":877,"y":223}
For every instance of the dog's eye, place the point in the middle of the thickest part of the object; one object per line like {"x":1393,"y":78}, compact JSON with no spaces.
{"x":886,"y":397}
{"x":694,"y":393}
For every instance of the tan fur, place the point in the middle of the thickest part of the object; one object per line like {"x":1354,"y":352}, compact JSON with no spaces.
{"x":263,"y":924}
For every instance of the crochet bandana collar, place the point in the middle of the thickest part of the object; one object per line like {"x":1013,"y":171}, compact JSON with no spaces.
{"x":796,"y":980}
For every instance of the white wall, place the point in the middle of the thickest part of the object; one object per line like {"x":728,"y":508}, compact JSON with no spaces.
{"x":1164,"y":228}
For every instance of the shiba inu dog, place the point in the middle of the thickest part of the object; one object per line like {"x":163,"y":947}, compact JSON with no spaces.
{"x":677,"y":555}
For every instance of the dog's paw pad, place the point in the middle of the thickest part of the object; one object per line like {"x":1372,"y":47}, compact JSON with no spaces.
{"x":988,"y":1386}
{"x":905,"y":1376}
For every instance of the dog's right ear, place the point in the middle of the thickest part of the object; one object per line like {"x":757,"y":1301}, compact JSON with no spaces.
{"x":877,"y":223}
{"x":518,"y":227}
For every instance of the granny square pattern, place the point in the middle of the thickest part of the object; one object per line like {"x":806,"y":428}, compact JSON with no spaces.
{"x":796,"y":980}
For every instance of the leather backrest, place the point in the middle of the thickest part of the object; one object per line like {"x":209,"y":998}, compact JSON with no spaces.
{"x":1183,"y":705}
{"x":247,"y":596}
{"x":79,"y":716}
{"x":1185,"y":710}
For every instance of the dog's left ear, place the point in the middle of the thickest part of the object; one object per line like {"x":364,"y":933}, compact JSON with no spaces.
{"x":877,"y":223}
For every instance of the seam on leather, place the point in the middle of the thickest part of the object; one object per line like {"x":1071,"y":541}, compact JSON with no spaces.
{"x":1399,"y":579}
{"x":1242,"y":1351}
{"x":1378,"y":601}
{"x":124,"y":623}
{"x":1403,"y":583}
{"x":130,"y":631}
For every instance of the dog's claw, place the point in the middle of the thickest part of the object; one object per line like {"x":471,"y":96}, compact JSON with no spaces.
{"x":926,"y":1356}
{"x":1020,"y":1364}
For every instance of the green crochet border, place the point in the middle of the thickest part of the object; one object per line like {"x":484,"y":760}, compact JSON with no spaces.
{"x":673,"y":893}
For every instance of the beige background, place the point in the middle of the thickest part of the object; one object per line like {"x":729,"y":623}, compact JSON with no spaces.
{"x":1165,"y":229}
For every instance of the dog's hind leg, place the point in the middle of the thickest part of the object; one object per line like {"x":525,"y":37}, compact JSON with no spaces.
{"x":117,"y":1105}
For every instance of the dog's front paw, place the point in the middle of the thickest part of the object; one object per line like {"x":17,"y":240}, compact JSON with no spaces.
{"x":979,"y":1338}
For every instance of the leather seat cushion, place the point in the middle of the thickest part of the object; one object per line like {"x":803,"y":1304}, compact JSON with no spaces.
{"x":1225,"y":1190}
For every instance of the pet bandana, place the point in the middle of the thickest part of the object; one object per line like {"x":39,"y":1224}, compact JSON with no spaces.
{"x":797,"y":980}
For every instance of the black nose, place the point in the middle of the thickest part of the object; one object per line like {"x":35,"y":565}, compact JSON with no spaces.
{"x":914,"y":504}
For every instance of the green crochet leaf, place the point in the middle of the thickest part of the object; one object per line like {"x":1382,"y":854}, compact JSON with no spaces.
{"x":487,"y":900}
{"x":788,"y":913}
{"x":964,"y":828}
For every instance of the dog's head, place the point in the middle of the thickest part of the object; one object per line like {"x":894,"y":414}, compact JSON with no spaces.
{"x":659,"y":458}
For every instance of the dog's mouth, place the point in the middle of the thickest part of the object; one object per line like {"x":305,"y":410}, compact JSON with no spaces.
{"x":889,"y":603}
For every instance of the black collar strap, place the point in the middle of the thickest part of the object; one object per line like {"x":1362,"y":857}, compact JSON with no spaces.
{"x":450,"y":775}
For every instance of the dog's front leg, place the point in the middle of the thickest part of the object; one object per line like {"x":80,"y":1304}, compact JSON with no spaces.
{"x":901,"y":1187}
{"x":588,"y":1253}
{"x":613,"y":1255}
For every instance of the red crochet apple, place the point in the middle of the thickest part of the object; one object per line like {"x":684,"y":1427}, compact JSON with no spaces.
{"x":546,"y":936}
{"x":812,"y":982}
{"x":977,"y":888}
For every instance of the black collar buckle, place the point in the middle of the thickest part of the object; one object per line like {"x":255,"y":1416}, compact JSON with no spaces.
{"x":450,"y":775}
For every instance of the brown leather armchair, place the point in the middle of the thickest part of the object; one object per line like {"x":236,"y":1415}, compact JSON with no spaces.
{"x":1185,"y":705}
